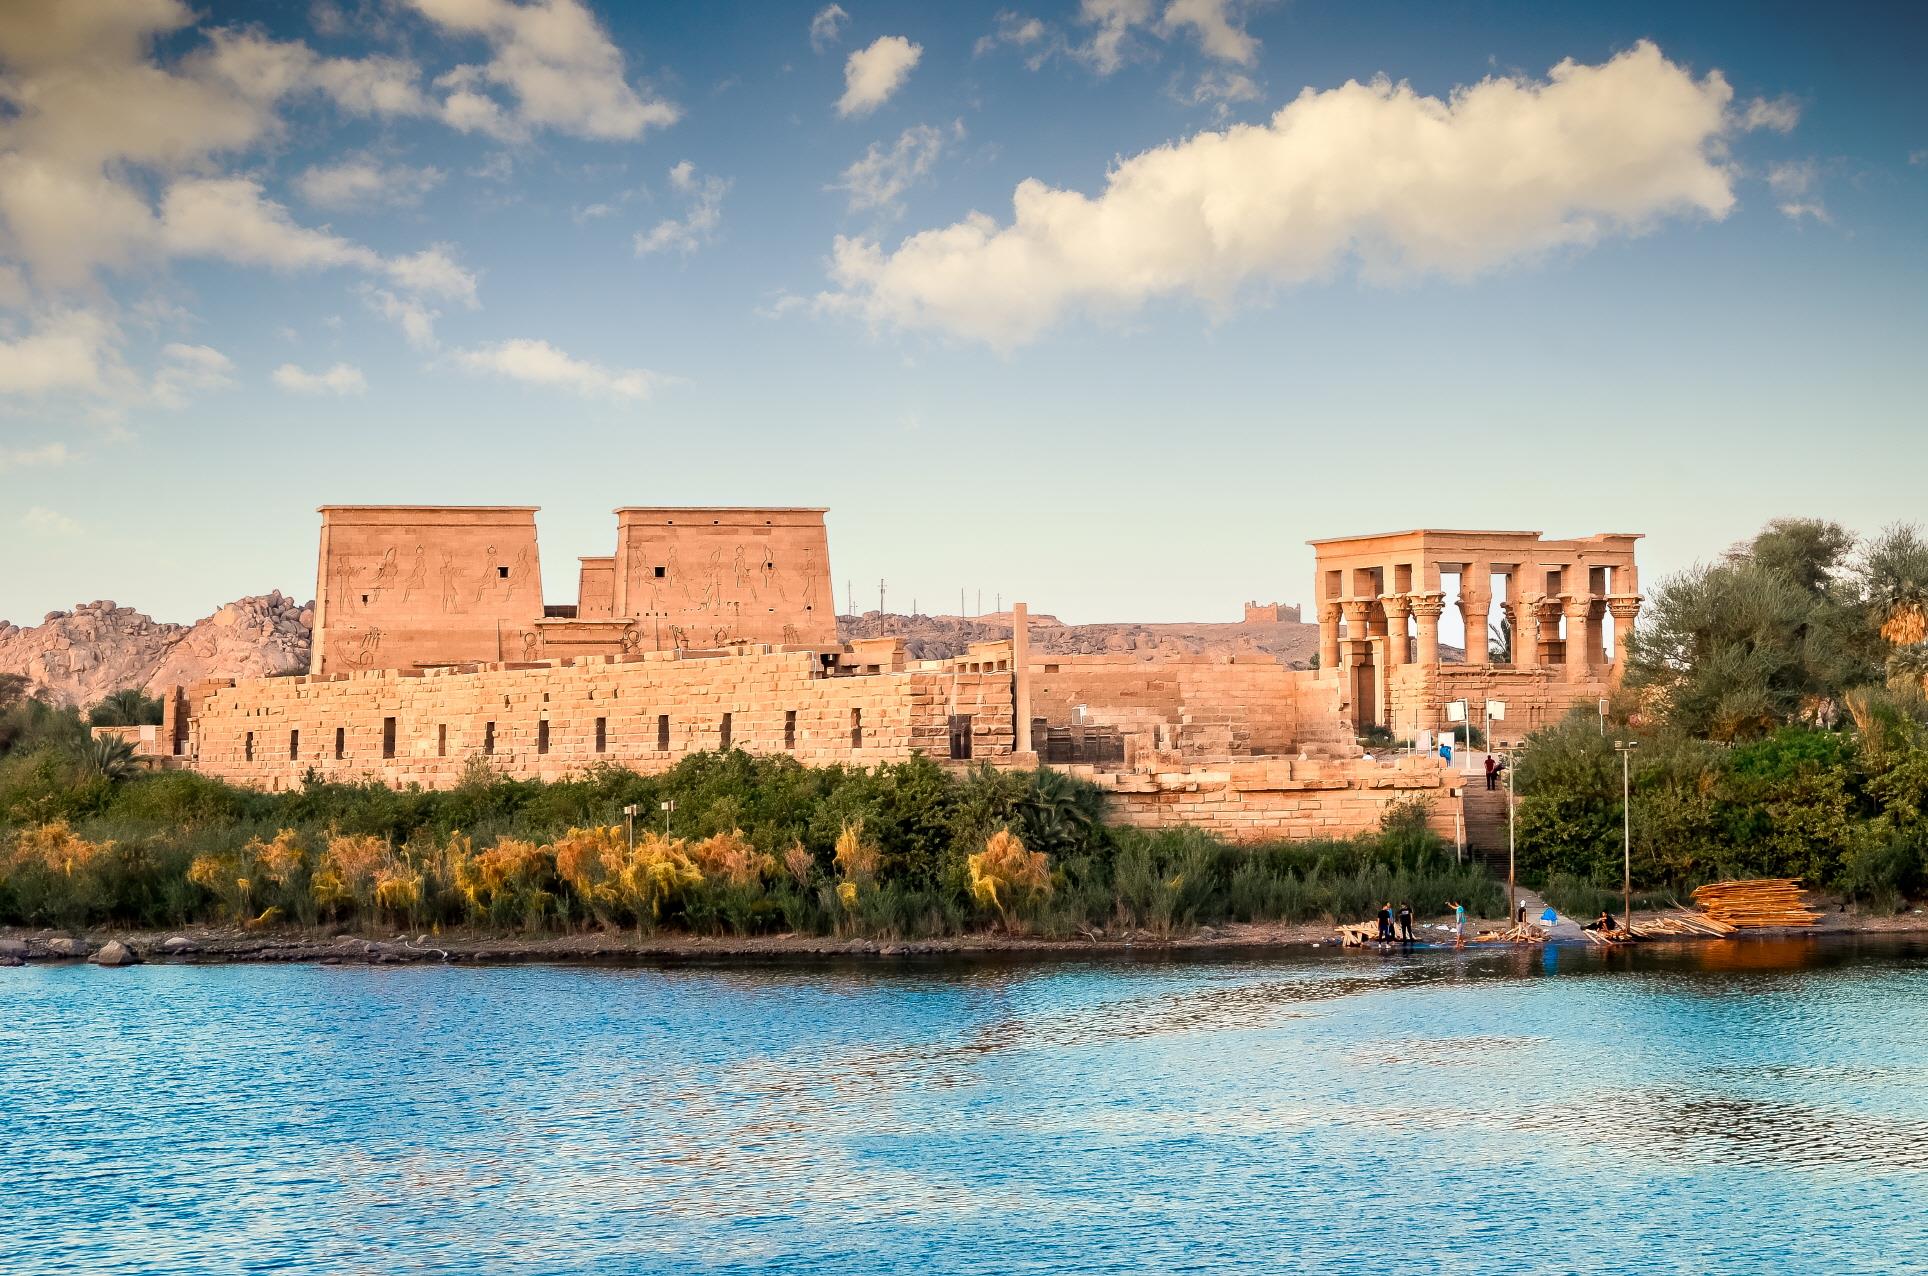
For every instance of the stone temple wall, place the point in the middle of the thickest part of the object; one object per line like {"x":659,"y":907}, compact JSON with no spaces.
{"x":1205,"y":707}
{"x":407,"y":585}
{"x":703,"y":577}
{"x":1278,"y":799}
{"x":547,"y":721}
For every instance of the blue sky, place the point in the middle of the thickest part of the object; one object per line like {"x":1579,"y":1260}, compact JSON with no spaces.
{"x":1106,"y":305}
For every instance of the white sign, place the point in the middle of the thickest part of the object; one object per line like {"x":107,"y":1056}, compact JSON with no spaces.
{"x":1424,"y":742}
{"x":1496,"y":710}
{"x":1456,"y":711}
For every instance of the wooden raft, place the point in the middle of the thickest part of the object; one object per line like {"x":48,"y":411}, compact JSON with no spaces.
{"x":1764,"y":901}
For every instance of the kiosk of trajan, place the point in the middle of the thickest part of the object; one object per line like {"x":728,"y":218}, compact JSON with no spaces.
{"x":715,"y":628}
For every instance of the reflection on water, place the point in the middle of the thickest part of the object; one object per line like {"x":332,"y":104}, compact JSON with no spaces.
{"x":1703,"y":1107}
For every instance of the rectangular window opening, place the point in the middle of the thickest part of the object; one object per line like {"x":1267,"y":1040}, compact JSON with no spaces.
{"x":341,"y":743}
{"x":790,"y":729}
{"x":502,"y":572}
{"x":662,"y":733}
{"x":294,"y":746}
{"x":442,"y":740}
{"x":960,"y":736}
{"x":542,"y":736}
{"x":247,"y":748}
{"x":602,"y":735}
{"x":856,"y":728}
{"x":388,"y":737}
{"x":661,"y":572}
{"x":488,"y":739}
{"x":726,"y":730}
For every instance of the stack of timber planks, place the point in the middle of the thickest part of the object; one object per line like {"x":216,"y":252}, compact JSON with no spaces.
{"x":1764,"y":901}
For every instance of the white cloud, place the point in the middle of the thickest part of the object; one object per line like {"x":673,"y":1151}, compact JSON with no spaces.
{"x":872,"y":74}
{"x":45,"y":523}
{"x":541,"y":364}
{"x":697,"y":226}
{"x":1780,"y":114}
{"x":433,"y":272}
{"x":884,"y":174}
{"x":1015,"y":29}
{"x":229,"y":218}
{"x":1794,"y":184}
{"x":555,"y":60}
{"x":340,"y":379}
{"x":69,"y":350}
{"x":374,"y":86}
{"x":1401,"y":183}
{"x":189,"y":370}
{"x":1221,"y":88}
{"x":47,"y":454}
{"x":360,"y":182}
{"x":1115,"y":19}
{"x":1218,"y":31}
{"x":826,"y":28}
{"x":415,"y":319}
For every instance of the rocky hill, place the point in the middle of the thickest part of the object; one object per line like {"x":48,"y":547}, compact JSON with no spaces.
{"x":935,"y":637}
{"x":80,"y":656}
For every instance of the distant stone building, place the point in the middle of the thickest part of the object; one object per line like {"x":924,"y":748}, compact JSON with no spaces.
{"x":1271,"y":613}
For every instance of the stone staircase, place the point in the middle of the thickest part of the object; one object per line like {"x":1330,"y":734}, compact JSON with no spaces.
{"x":1485,"y":819}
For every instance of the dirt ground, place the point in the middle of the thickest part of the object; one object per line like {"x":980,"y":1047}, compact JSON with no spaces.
{"x":470,"y":947}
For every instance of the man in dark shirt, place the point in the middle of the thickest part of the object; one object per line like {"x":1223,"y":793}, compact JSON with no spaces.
{"x":1406,"y":923}
{"x":1385,"y":920}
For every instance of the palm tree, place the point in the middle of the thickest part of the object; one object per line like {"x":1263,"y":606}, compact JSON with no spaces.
{"x":1499,"y":641}
{"x":111,"y":758}
{"x":127,"y":707}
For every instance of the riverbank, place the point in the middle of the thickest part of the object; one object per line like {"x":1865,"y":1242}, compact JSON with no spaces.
{"x":334,"y":946}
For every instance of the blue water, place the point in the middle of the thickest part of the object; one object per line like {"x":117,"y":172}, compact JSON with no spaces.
{"x":1757,"y":1108}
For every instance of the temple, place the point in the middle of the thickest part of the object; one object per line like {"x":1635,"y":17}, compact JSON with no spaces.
{"x":1381,"y":598}
{"x":713,"y":628}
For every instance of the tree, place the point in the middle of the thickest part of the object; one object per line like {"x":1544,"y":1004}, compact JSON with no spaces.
{"x":127,"y":707}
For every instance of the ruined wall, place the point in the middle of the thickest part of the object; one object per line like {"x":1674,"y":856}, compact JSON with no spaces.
{"x":1282,"y":798}
{"x":268,"y":733}
{"x":1204,"y":707}
{"x":1534,"y":698}
{"x":704,"y":577}
{"x":404,"y":585}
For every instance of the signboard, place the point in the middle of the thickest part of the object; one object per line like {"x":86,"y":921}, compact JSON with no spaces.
{"x":1456,"y":711}
{"x":1496,"y":710}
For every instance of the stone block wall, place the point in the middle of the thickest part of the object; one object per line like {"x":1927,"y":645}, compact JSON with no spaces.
{"x":1206,"y":707}
{"x":548,"y":721}
{"x":1282,"y":798}
{"x":1534,"y":697}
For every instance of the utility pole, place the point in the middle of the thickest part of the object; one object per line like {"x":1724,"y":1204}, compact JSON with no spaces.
{"x":850,"y":590}
{"x":1625,"y":749}
{"x":960,"y":602}
{"x":1000,"y":600}
{"x":880,"y":594}
{"x":980,"y":602}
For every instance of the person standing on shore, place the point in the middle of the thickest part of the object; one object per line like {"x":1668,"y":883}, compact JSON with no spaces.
{"x":1459,"y":921}
{"x":1406,"y":923}
{"x":1385,"y":920}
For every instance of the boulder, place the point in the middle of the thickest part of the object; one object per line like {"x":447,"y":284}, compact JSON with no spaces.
{"x":176,"y":945}
{"x":115,"y":953}
{"x":13,"y":948}
{"x":65,"y":946}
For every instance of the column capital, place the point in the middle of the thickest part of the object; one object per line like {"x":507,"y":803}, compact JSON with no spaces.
{"x":1624,"y":606}
{"x":1579,"y":605}
{"x":1357,"y":610}
{"x":1329,"y":610}
{"x":1396,"y":605}
{"x":1428,"y":606}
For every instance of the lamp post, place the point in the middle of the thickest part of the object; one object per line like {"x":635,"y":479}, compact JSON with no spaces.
{"x":629,"y":826}
{"x":1625,"y":749}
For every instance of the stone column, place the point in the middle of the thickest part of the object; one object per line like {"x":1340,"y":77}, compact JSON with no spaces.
{"x":1428,"y":608}
{"x":1474,"y":600}
{"x":1398,"y":607}
{"x":1329,"y":634}
{"x":1021,"y":677}
{"x":1358,"y":614}
{"x":1526,"y":632}
{"x":1624,"y":608}
{"x":1579,"y":638}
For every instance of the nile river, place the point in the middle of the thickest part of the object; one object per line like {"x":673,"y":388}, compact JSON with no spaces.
{"x":1757,"y":1108}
